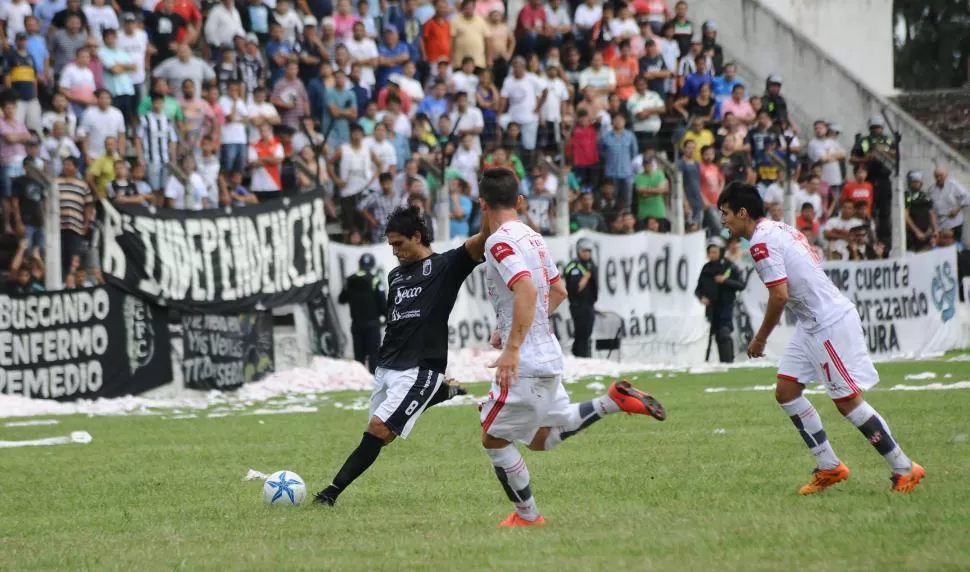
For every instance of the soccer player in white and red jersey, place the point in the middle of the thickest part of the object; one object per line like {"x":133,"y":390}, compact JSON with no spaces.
{"x":527,"y":402}
{"x":827,"y":346}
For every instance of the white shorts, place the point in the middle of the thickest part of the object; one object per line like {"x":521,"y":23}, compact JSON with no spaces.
{"x":516,"y":413}
{"x":835,"y":356}
{"x":399,"y":397}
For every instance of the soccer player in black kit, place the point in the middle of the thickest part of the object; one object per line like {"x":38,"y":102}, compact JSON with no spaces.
{"x":412,"y":359}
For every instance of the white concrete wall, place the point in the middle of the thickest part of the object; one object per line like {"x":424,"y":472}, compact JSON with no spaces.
{"x":857,"y":33}
{"x":817,"y":85}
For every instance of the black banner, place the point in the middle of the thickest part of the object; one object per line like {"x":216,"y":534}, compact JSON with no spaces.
{"x":224,"y":352}
{"x":218,"y":261}
{"x":82,"y":344}
{"x":327,"y":339}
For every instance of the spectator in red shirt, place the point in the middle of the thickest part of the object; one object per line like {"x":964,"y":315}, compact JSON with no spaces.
{"x":530,"y":29}
{"x":860,"y":190}
{"x":436,"y":35}
{"x":583,"y":148}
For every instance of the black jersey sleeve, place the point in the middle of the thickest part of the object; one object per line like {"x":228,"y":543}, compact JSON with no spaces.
{"x":460,"y":264}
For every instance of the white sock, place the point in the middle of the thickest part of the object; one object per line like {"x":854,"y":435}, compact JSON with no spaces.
{"x":514,"y":475}
{"x":578,"y":417}
{"x":605,"y":405}
{"x":809,"y":425}
{"x":876,"y":430}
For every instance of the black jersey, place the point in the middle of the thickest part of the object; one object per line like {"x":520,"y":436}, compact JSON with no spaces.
{"x":420,"y":297}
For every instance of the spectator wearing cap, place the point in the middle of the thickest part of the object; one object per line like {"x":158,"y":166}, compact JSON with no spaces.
{"x":133,"y":40}
{"x":658,"y":76}
{"x":391,"y":56}
{"x":184,"y":66}
{"x":949,"y":199}
{"x":252,"y":67}
{"x":682,"y":26}
{"x":878,"y":151}
{"x":921,"y":221}
{"x":22,"y":80}
{"x":166,"y":28}
{"x":711,"y":47}
{"x":117,"y":79}
{"x":222,"y":24}
{"x":470,"y":37}
{"x":774,"y":102}
{"x":825,"y":148}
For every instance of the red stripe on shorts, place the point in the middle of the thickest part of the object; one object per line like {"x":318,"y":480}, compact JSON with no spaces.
{"x":787,"y":377}
{"x":841,"y":368}
{"x":493,"y":413}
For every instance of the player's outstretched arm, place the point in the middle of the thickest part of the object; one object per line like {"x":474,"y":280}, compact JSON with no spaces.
{"x":777,"y":298}
{"x":475,"y":245}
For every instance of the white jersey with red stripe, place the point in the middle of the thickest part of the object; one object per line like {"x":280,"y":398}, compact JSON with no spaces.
{"x":782,"y":254}
{"x":513,"y":252}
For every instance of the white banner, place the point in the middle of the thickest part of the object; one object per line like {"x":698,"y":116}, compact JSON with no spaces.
{"x":647,"y":280}
{"x":908,"y":307}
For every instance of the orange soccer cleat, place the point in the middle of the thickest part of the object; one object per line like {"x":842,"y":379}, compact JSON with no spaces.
{"x":515,"y":520}
{"x":906,"y":483}
{"x":825,"y":478}
{"x":636,"y":402}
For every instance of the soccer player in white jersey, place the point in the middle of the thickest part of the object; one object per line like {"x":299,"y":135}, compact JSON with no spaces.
{"x":527,"y":402}
{"x":827,"y":345}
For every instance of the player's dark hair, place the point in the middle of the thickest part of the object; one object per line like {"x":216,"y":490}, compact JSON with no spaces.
{"x":408,"y":221}
{"x":738,"y":195}
{"x":499,"y":188}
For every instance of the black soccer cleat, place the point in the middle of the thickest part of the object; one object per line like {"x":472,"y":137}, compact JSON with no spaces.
{"x":322,"y":498}
{"x":454,"y":388}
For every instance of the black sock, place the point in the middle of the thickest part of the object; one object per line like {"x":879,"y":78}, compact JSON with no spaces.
{"x":359,"y":461}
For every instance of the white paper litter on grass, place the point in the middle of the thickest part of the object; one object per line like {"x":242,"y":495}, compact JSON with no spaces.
{"x":79,"y":437}
{"x":919,"y":376}
{"x":31,"y":423}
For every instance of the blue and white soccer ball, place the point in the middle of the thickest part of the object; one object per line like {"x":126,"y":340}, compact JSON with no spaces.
{"x":284,"y":488}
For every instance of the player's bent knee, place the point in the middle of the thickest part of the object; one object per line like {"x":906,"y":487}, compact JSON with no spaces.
{"x":787,"y":390}
{"x":379,"y":429}
{"x":490,"y":442}
{"x":538,"y":442}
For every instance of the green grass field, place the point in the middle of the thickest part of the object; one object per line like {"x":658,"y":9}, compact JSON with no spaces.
{"x":628,"y":494}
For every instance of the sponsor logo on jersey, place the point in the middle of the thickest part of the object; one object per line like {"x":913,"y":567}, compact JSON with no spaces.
{"x":501,"y":251}
{"x":397,"y":316}
{"x":426,"y":268}
{"x":759,"y":251}
{"x":403,"y":294}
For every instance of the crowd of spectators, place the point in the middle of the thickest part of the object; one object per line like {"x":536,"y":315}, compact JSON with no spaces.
{"x":194,"y":105}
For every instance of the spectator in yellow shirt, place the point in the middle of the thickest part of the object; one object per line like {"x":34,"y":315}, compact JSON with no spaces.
{"x":101,"y":171}
{"x":697,"y":133}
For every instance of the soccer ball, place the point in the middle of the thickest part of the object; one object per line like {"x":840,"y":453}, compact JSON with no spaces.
{"x":284,"y":488}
